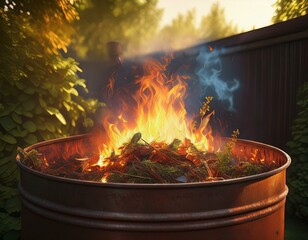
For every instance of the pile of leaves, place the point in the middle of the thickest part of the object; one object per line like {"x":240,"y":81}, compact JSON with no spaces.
{"x":156,"y":162}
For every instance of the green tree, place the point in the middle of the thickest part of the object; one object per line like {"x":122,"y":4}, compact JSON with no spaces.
{"x":38,"y":98}
{"x":214,"y":25}
{"x":288,"y":9}
{"x":181,"y":32}
{"x":133,"y":23}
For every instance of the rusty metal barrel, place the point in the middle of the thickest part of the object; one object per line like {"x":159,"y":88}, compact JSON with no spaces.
{"x":244,"y":208}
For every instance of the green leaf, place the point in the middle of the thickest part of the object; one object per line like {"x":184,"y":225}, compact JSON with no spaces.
{"x":61,"y":118}
{"x":31,"y":139}
{"x":53,"y":91}
{"x":3,"y":161}
{"x":7,"y":193}
{"x":292,"y":144}
{"x":7,"y":123}
{"x":73,"y":91}
{"x":19,"y":110}
{"x":11,"y":180}
{"x":6,"y":111}
{"x":46,"y":85}
{"x":9,"y":147}
{"x":2,"y":146}
{"x":30,"y":126}
{"x":50,"y":127}
{"x":47,"y":135}
{"x":81,"y":82}
{"x":7,"y":170}
{"x":51,"y":110}
{"x":28,"y":114}
{"x":67,"y":106}
{"x":19,"y":133}
{"x":16,"y":118}
{"x":29,"y":90}
{"x":42,"y":102}
{"x":29,"y":105}
{"x":13,"y":204}
{"x":4,"y":169}
{"x":8,"y":138}
{"x":8,"y":223}
{"x":38,"y":110}
{"x":23,"y":97}
{"x":19,"y":85}
{"x":29,"y":67}
{"x":304,"y":139}
{"x":80,"y":108}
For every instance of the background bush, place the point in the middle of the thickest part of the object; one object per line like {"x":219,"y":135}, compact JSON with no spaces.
{"x":298,"y":149}
{"x":38,"y":96}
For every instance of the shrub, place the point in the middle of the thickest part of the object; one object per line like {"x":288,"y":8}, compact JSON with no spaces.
{"x":298,"y":149}
{"x":38,"y":96}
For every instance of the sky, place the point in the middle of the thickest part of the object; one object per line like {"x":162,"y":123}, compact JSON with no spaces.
{"x":246,"y":14}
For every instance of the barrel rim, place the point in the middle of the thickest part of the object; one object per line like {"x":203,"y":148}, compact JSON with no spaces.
{"x":153,"y":185}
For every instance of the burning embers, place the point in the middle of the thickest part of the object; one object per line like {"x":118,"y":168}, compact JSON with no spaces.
{"x":155,"y":162}
{"x":148,"y":137}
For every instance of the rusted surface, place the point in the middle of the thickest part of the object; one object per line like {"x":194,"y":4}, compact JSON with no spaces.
{"x":245,"y":208}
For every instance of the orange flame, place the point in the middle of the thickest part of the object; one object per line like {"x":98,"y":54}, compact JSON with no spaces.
{"x":156,"y":110}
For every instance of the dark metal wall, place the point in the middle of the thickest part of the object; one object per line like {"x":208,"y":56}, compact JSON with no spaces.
{"x":271,"y":64}
{"x":270,"y":78}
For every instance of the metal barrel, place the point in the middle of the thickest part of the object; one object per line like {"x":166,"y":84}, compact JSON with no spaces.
{"x":244,"y":208}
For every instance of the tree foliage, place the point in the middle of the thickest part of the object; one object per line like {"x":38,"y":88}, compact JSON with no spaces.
{"x":298,"y":149}
{"x":215,"y":25}
{"x":181,"y":32}
{"x":133,"y":23}
{"x":288,"y":9}
{"x":38,"y":99}
{"x":184,"y":32}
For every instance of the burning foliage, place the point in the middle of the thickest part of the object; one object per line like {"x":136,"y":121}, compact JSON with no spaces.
{"x":155,"y":162}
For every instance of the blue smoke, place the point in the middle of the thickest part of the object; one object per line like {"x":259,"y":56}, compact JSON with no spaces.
{"x":209,"y":71}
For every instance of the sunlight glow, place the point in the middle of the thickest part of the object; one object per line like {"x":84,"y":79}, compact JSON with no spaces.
{"x":246,"y":14}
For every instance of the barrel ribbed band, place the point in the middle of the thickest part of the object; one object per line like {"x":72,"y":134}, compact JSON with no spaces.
{"x":153,"y":222}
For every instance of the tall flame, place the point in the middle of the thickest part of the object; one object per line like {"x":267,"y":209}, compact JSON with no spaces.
{"x":156,"y":109}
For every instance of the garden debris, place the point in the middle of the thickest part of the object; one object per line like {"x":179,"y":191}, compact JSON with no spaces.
{"x":155,"y":162}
